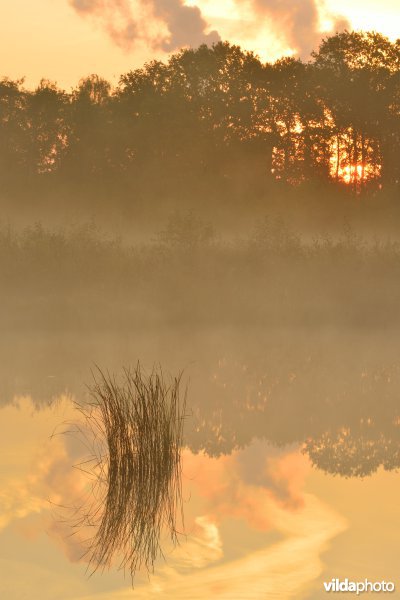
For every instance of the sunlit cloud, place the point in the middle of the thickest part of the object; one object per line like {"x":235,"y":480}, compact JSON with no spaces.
{"x":269,"y":26}
{"x":273,"y":28}
{"x":165,"y":25}
{"x":69,"y":42}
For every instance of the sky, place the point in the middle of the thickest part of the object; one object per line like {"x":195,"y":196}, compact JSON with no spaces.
{"x":64,"y":40}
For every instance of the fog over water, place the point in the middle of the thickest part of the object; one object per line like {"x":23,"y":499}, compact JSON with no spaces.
{"x":282,"y":427}
{"x":289,"y":349}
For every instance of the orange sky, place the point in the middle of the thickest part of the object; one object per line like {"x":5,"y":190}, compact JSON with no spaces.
{"x":48,"y":38}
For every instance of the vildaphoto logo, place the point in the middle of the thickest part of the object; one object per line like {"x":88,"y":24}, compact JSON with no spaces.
{"x":359,"y":587}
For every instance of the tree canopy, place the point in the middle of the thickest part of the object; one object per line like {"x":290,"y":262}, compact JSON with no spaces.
{"x":216,"y":112}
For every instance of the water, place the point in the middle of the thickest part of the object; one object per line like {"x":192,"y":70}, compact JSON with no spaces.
{"x":289,"y":468}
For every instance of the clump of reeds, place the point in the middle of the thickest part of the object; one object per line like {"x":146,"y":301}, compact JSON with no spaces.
{"x":137,"y":428}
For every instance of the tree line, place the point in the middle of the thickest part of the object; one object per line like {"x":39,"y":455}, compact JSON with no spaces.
{"x":215,"y":113}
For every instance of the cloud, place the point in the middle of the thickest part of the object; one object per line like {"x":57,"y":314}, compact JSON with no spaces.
{"x":87,"y":5}
{"x":185,"y":24}
{"x":115,"y":16}
{"x":163,"y":24}
{"x":298,"y":21}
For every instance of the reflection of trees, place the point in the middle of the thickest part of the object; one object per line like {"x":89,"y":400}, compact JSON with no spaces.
{"x":251,"y":385}
{"x":355,"y":453}
{"x":345,"y":417}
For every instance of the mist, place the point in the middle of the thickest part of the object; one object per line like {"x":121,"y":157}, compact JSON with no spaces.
{"x":233,"y":224}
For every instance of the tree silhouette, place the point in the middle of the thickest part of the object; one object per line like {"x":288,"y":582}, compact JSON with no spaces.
{"x":218,"y":116}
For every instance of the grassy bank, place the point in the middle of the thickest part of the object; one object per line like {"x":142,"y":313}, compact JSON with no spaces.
{"x":186,"y":276}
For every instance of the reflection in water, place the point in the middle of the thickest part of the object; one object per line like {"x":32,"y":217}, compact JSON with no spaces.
{"x":245,"y":531}
{"x":135,"y":429}
{"x":262,"y":413}
{"x":334,"y":395}
{"x":347,"y":420}
{"x":356,"y":452}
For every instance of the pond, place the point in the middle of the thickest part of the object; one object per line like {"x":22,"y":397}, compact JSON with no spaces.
{"x":288,"y":463}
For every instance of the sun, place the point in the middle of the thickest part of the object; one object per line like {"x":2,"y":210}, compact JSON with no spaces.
{"x":350,"y":173}
{"x":353,"y":162}
{"x":356,"y":174}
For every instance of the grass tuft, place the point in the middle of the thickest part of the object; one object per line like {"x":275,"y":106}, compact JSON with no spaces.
{"x":136,"y":432}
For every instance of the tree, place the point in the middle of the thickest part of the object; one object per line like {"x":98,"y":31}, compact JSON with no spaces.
{"x":13,"y":130}
{"x":90,"y":124}
{"x":47,"y":122}
{"x":359,"y":77}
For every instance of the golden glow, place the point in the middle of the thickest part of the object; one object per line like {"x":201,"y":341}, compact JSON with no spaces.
{"x":48,"y":39}
{"x":222,"y":498}
{"x":353,"y":173}
{"x":345,"y":163}
{"x":383,"y":16}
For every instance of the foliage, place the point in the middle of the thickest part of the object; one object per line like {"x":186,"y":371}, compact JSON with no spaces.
{"x":213,"y":114}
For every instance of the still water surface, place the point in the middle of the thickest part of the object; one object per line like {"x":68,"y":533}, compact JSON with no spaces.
{"x":289,"y":466}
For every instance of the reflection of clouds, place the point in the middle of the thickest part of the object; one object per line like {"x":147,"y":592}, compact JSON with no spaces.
{"x":43,"y":476}
{"x":204,"y":545}
{"x":276,"y":503}
{"x":283,"y":570}
{"x":256,"y":484}
{"x":260,"y":486}
{"x":17,"y":502}
{"x":281,"y":472}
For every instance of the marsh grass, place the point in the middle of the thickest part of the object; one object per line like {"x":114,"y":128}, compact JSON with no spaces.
{"x":135,"y":430}
{"x":273,"y":277}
